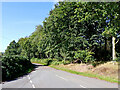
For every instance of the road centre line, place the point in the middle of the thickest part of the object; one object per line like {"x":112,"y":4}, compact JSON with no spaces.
{"x":33,"y":86}
{"x":31,"y":81}
{"x":67,"y":80}
{"x":82,"y":86}
{"x":62,"y":78}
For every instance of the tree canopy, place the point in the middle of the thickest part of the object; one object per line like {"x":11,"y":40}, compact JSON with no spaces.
{"x":73,"y":29}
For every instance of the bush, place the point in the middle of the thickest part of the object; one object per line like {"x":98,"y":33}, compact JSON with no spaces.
{"x":47,"y":62}
{"x":43,"y":61}
{"x":57,"y":62}
{"x":50,"y":61}
{"x":117,"y":59}
{"x":66,"y":62}
{"x":14,"y":66}
{"x":84,"y":55}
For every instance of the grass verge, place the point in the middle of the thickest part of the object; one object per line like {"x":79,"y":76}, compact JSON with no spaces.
{"x":86,"y":74}
{"x":38,"y":62}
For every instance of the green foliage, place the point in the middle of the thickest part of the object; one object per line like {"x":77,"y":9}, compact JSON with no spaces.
{"x":27,"y":49}
{"x":66,"y":62}
{"x":117,"y":59}
{"x":49,"y":61}
{"x":70,"y":29}
{"x":12,"y":49}
{"x":1,"y":54}
{"x":56,"y":62}
{"x":66,"y":30}
{"x":84,"y":56}
{"x":14,"y":66}
{"x":46,"y":61}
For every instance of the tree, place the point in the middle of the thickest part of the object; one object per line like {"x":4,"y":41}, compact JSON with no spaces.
{"x":27,"y":49}
{"x":113,"y":26}
{"x":12,"y":49}
{"x":72,"y":27}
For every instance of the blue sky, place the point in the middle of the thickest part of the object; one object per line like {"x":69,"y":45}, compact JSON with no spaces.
{"x":20,"y":18}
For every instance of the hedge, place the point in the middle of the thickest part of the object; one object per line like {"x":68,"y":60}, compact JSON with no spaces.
{"x":14,"y":66}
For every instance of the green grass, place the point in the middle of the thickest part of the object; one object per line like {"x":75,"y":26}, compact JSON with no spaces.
{"x":87,"y":74}
{"x":109,"y":79}
{"x":38,"y":62}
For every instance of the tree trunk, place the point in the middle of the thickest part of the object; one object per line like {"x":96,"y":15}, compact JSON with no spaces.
{"x":113,"y":49}
{"x":34,"y":55}
{"x":105,"y":49}
{"x":39,"y":55}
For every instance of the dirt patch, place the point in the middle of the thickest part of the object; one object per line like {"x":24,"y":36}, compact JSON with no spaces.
{"x":78,"y":67}
{"x":109,"y":69}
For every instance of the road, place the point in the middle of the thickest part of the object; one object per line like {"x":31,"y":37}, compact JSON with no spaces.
{"x":47,"y":77}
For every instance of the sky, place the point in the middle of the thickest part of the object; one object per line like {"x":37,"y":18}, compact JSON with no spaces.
{"x":19,"y":19}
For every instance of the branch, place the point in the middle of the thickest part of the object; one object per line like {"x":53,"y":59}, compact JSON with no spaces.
{"x":117,"y":41}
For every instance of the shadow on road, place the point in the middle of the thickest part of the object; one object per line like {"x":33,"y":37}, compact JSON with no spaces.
{"x":38,"y":65}
{"x":25,"y":74}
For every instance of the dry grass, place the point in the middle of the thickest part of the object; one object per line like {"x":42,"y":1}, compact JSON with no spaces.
{"x":77,"y":67}
{"x":107,"y":69}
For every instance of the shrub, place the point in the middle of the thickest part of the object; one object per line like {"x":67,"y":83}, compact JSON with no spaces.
{"x":14,"y":66}
{"x":45,"y":61}
{"x":84,"y":56}
{"x":66,"y":62}
{"x":57,"y":62}
{"x":117,"y":59}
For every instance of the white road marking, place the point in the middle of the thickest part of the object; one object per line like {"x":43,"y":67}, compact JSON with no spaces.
{"x":33,"y":86}
{"x":31,"y":81}
{"x":82,"y":86}
{"x":62,"y":78}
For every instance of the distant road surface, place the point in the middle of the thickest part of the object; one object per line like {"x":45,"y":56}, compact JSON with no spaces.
{"x":47,"y":77}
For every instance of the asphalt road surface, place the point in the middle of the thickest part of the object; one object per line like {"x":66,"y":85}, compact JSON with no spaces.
{"x":47,"y":77}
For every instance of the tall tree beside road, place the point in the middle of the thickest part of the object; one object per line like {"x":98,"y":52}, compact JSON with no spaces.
{"x":113,"y":27}
{"x":76,"y":26}
{"x":12,"y":49}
